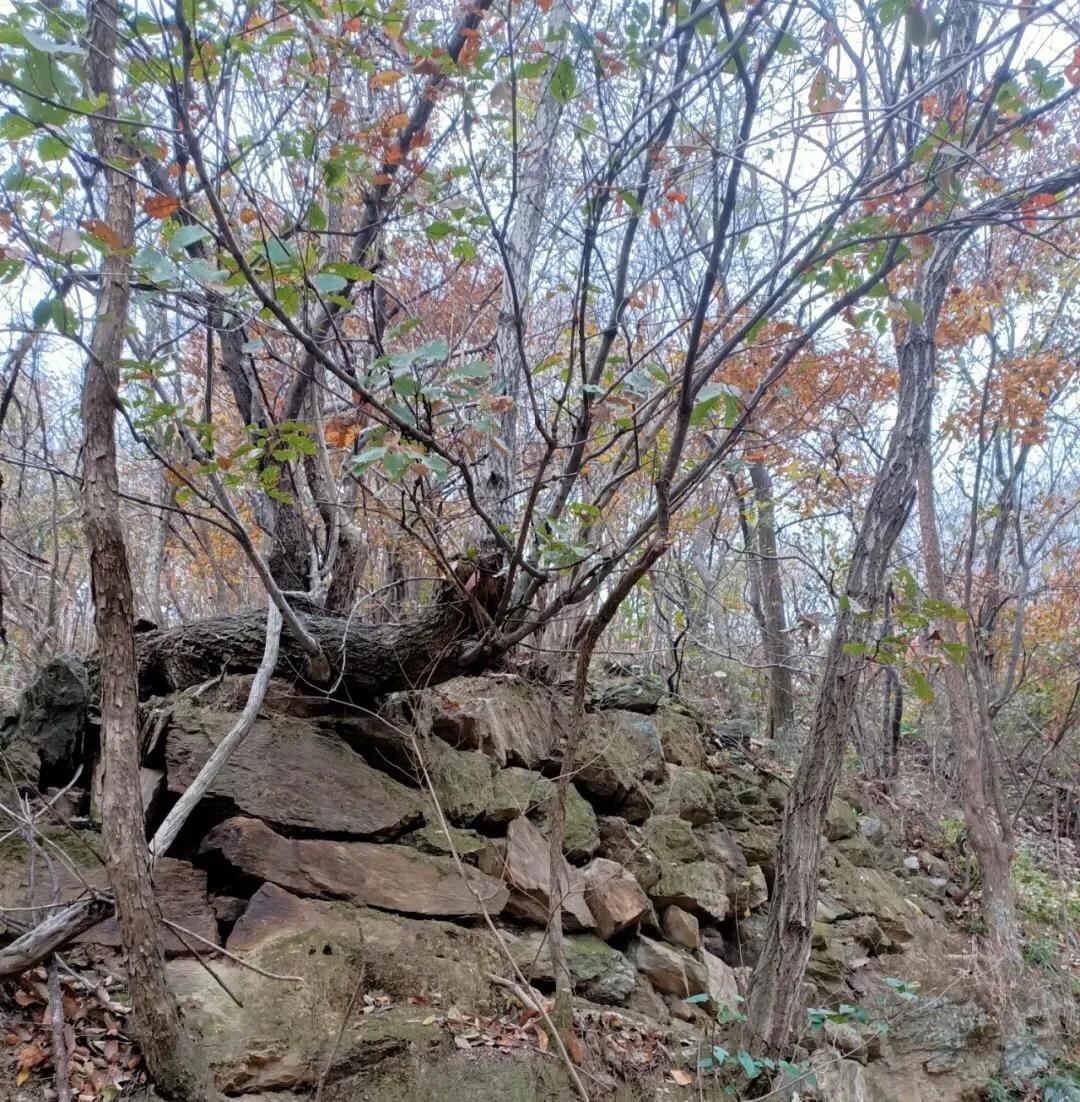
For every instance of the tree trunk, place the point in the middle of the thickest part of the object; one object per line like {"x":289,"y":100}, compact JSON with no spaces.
{"x":174,"y":1064}
{"x":989,"y":837}
{"x":776,"y":988}
{"x":781,"y":709}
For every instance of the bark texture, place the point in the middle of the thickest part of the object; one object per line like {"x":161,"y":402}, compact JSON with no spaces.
{"x":776,"y":988}
{"x":989,"y":837}
{"x":171,"y":1058}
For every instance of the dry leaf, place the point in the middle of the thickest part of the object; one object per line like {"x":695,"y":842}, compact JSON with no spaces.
{"x":682,"y":1077}
{"x":103,"y":232}
{"x":386,"y":79}
{"x":160,"y":206}
{"x":573,"y":1046}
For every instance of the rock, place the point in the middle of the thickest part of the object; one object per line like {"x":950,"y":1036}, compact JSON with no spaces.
{"x":744,"y":949}
{"x":723,"y":986}
{"x":228,"y":908}
{"x":734,"y":734}
{"x":284,"y":1033}
{"x":460,"y":779}
{"x":510,"y":720}
{"x":672,"y":840}
{"x":614,"y":897}
{"x":681,"y":737}
{"x":939,"y":886}
{"x":670,"y":971}
{"x":404,"y":956}
{"x":180,"y":890}
{"x":622,"y":842}
{"x":749,"y":890}
{"x":432,"y":839}
{"x":52,"y":719}
{"x":934,"y":865}
{"x":873,"y":830}
{"x":522,"y":861}
{"x":681,"y":928}
{"x":395,"y":878}
{"x":687,"y":793}
{"x":599,"y":972}
{"x":713,"y":941}
{"x":616,"y":753}
{"x":698,"y":886}
{"x":864,"y":891}
{"x":720,"y":845}
{"x":846,"y":1039}
{"x":179,"y":887}
{"x":631,"y":692}
{"x":840,"y":821}
{"x":519,"y":791}
{"x":841,"y":1080}
{"x":289,"y":773}
{"x":758,"y":845}
{"x":911,"y":863}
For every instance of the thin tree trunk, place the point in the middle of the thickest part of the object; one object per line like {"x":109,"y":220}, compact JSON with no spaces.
{"x":174,"y":1064}
{"x":775,"y":993}
{"x":781,"y":710}
{"x":989,"y":837}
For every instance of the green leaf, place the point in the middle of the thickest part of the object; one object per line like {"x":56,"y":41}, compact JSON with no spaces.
{"x":51,"y":148}
{"x":563,"y":82}
{"x":920,"y":686}
{"x":438,"y":230}
{"x":367,"y":457}
{"x":913,"y":310}
{"x":188,"y":235}
{"x":328,"y":282}
{"x":788,"y":45}
{"x":13,"y":127}
{"x":750,"y":1066}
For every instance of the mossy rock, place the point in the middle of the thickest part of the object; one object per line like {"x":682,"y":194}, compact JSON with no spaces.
{"x":461,"y":779}
{"x":681,"y":736}
{"x":698,"y":886}
{"x":518,"y":792}
{"x":431,"y":839}
{"x":840,"y":821}
{"x":672,"y":839}
{"x":598,"y":972}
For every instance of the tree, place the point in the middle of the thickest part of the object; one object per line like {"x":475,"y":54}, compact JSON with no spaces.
{"x":178,"y":1069}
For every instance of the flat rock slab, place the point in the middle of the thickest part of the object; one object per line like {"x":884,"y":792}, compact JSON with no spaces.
{"x":394,"y":878}
{"x":442,"y":961}
{"x":290,"y":773}
{"x":614,"y":897}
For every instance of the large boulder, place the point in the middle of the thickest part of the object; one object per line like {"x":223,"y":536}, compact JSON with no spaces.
{"x":510,"y":720}
{"x":628,"y":692}
{"x":697,"y":886}
{"x":460,"y":779}
{"x":523,"y":861}
{"x":52,"y":719}
{"x":598,"y":972}
{"x":289,"y":773}
{"x":394,"y":878}
{"x":625,"y":843}
{"x":681,"y":736}
{"x":441,"y":961}
{"x":668,"y":969}
{"x":278,"y":1034}
{"x":840,"y":820}
{"x":518,"y":791}
{"x":689,"y":793}
{"x":672,"y":839}
{"x":866,"y":891}
{"x":614,"y":897}
{"x":616,"y":753}
{"x":179,"y":887}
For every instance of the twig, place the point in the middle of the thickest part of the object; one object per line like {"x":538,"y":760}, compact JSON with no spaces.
{"x":174,"y":821}
{"x":529,"y":997}
{"x":341,"y":1031}
{"x":183,"y":930}
{"x":61,"y":1080}
{"x":205,"y":964}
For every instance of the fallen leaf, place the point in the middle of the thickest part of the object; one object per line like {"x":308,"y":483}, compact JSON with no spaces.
{"x":573,"y":1046}
{"x":682,"y":1077}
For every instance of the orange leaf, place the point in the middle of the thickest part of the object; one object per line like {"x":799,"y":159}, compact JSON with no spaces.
{"x":654,"y":219}
{"x":380,"y":179}
{"x":427,"y":67}
{"x":160,"y":206}
{"x":544,"y":5}
{"x":682,"y":1077}
{"x":393,"y":156}
{"x":676,"y":196}
{"x":247,"y":215}
{"x":399,"y":120}
{"x":386,"y":79}
{"x":573,"y":1046}
{"x":96,"y":228}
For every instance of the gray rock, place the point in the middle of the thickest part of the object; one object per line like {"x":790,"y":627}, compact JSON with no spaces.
{"x":616,"y":753}
{"x":598,"y":972}
{"x":632,"y":692}
{"x":671,"y":971}
{"x":681,"y":928}
{"x":911,"y":863}
{"x":53,"y":719}
{"x":873,"y":830}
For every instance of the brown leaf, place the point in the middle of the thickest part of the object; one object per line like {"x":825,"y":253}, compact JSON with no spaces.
{"x":573,"y":1046}
{"x":682,"y":1077}
{"x":160,"y":206}
{"x":103,"y":232}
